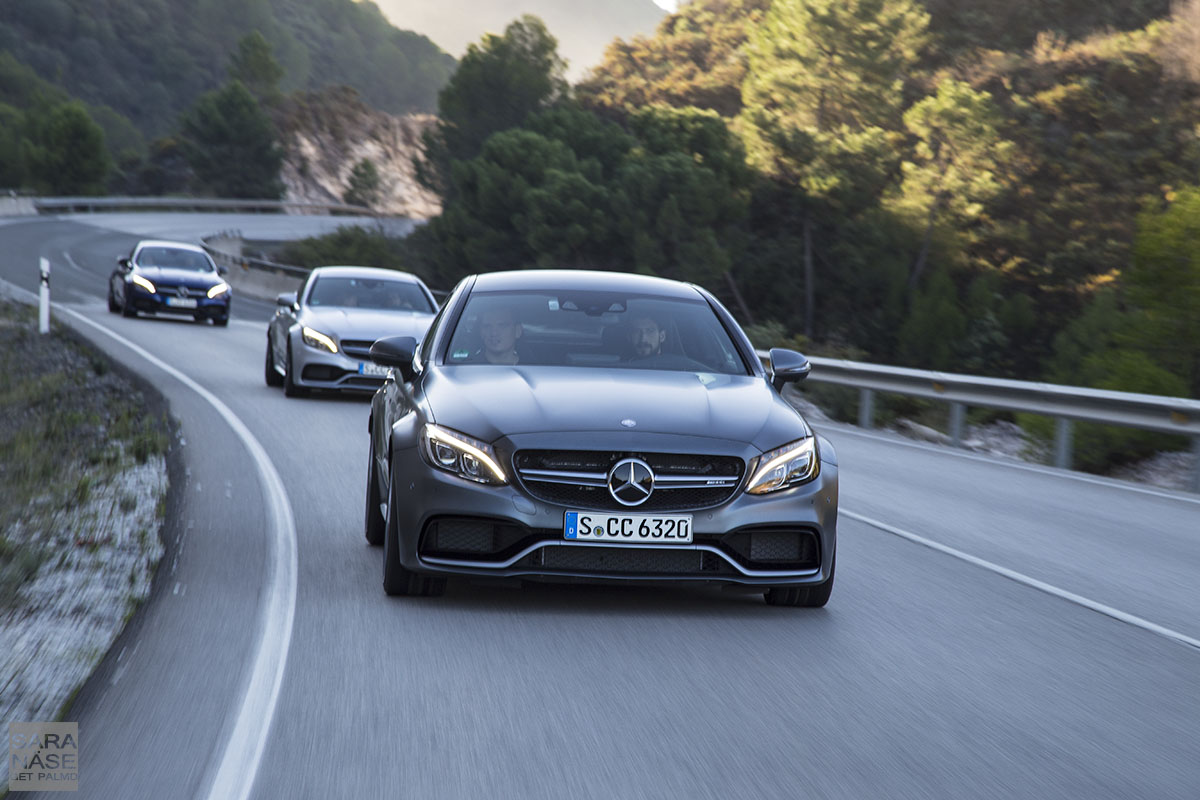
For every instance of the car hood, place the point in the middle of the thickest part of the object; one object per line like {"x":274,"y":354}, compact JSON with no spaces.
{"x":179,"y":277}
{"x":366,"y":323}
{"x":489,"y":402}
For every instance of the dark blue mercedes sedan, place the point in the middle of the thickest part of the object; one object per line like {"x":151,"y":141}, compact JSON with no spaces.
{"x":170,"y":277}
{"x":591,"y":426}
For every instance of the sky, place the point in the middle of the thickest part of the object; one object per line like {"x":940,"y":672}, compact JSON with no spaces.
{"x":669,"y":5}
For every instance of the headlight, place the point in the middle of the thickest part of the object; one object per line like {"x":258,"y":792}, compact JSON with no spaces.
{"x":317,"y":339}
{"x":138,"y":280}
{"x":461,"y":455}
{"x":218,"y":290}
{"x":786,"y":466}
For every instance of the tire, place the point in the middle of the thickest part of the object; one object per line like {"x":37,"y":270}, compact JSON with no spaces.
{"x":396,"y":579}
{"x":128,"y":310}
{"x":289,"y":386}
{"x":221,"y":322}
{"x":802,"y":596}
{"x":270,"y":374}
{"x":113,"y":305}
{"x":373,"y":521}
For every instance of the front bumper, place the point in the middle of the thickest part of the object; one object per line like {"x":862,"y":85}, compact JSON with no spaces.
{"x":528,"y":538}
{"x":319,"y":369}
{"x":162,"y":302}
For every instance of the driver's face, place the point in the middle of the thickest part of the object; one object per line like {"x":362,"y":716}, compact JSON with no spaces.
{"x":499,"y":331}
{"x":647,"y":337}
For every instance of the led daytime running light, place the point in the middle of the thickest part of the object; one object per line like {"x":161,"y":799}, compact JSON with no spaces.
{"x":786,"y":466}
{"x":314,"y":338}
{"x":218,"y":290}
{"x":463,"y":456}
{"x":144,"y":283}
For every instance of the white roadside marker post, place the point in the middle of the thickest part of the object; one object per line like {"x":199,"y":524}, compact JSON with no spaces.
{"x":44,"y":298}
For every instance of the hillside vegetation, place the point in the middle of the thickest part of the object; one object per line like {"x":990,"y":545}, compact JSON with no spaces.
{"x":147,"y":61}
{"x":973,"y":189}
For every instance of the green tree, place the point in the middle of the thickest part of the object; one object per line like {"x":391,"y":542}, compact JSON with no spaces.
{"x":254,"y":64}
{"x":958,"y":164}
{"x":828,"y":64}
{"x":498,"y":84}
{"x":230,"y":144}
{"x":696,"y":58}
{"x":364,"y":183}
{"x":823,"y":91}
{"x":931,"y":336}
{"x":65,"y":151}
{"x":12,"y":163}
{"x":1162,"y":286}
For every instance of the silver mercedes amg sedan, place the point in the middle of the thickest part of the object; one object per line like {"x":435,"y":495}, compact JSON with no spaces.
{"x":592,"y":426}
{"x":320,"y":336}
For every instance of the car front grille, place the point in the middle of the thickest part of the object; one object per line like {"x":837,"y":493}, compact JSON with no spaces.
{"x":626,"y":561}
{"x":579,"y":478}
{"x":181,"y":291}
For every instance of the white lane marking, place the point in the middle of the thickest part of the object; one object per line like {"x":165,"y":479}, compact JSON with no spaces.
{"x":1033,"y":583}
{"x":1083,"y":477}
{"x":238,"y":767}
{"x":72,"y":263}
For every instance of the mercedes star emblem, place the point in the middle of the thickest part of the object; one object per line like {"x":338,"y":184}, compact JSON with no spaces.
{"x":631,"y":482}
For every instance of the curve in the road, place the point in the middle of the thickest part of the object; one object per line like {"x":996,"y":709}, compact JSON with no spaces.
{"x":234,"y":774}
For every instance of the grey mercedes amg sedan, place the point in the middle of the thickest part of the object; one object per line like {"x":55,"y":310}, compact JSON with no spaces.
{"x":592,"y":426}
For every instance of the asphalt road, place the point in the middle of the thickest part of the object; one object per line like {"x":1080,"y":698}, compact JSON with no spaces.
{"x":997,"y":631}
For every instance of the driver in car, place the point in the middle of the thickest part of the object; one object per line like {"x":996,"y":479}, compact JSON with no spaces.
{"x":499,"y":330}
{"x":646,"y":337}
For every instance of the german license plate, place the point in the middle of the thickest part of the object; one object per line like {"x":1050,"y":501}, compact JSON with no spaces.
{"x":181,"y":302}
{"x":589,"y":526}
{"x":371,"y":369}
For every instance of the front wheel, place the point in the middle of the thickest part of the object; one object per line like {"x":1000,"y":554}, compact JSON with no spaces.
{"x":128,"y":309}
{"x":270,"y":374}
{"x":374,"y":521}
{"x":113,"y":305}
{"x":802,"y":596}
{"x":290,"y":388}
{"x":396,"y":579}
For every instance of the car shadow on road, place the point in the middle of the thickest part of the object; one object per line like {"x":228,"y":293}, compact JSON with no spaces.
{"x":589,"y":599}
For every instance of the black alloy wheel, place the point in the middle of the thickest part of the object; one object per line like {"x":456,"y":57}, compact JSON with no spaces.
{"x":289,"y":385}
{"x":802,"y":596}
{"x":373,"y":519}
{"x":270,"y":374}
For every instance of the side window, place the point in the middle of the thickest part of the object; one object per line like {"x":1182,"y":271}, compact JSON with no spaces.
{"x":426,"y":349}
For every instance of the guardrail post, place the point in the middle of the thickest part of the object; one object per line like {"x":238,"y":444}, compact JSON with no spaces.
{"x":958,"y":415}
{"x":1196,"y":464}
{"x":866,"y":408}
{"x":1063,"y":435}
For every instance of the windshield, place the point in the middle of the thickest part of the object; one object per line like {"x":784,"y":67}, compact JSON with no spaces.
{"x":374,"y":293}
{"x":593,"y":329}
{"x":174,"y":258}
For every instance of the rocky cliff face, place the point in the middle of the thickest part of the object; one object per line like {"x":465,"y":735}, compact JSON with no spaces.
{"x":326,"y":133}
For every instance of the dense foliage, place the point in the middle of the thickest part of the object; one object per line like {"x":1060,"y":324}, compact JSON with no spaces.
{"x":983,"y":187}
{"x":151,"y":59}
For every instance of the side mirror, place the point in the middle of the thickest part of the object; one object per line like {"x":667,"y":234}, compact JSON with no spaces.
{"x":287,"y":299}
{"x":396,"y":352}
{"x":222,"y":269}
{"x":787,"y":366}
{"x":123,"y":262}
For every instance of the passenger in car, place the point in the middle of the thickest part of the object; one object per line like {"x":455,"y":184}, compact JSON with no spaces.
{"x":499,"y":331}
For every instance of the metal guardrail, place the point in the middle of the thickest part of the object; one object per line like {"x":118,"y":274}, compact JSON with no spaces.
{"x":1066,"y":404}
{"x":58,"y":205}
